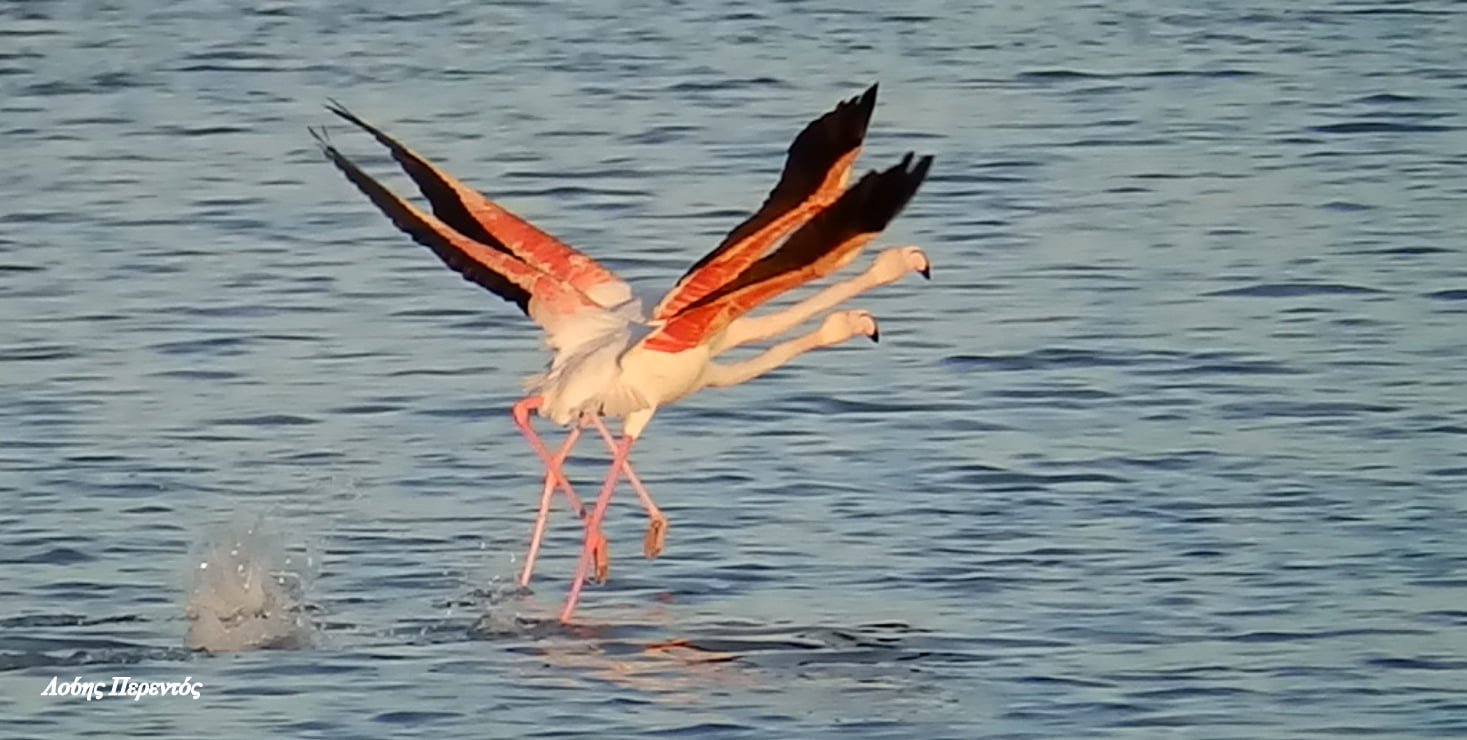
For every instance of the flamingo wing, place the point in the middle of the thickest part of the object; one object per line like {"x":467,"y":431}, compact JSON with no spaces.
{"x":828,"y":242}
{"x":475,"y":216}
{"x":815,"y":173}
{"x":499,"y":270}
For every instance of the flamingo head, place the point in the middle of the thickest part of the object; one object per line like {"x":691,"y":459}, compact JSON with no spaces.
{"x":895,"y":262}
{"x":842,"y":325}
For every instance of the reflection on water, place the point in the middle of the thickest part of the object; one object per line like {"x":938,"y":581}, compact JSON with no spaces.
{"x":634,"y":646}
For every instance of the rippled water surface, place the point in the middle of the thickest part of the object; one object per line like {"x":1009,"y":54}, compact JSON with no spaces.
{"x":1172,"y":444}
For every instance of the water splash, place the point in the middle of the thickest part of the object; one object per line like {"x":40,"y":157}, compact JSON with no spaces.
{"x":246,"y":591}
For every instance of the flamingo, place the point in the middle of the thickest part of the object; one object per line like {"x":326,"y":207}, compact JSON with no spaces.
{"x":612,"y":360}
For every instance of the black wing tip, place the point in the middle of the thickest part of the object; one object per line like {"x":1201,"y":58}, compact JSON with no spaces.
{"x":909,"y":175}
{"x":866,"y":100}
{"x":840,"y":130}
{"x":335,"y":106}
{"x":328,"y":150}
{"x":447,"y":204}
{"x":853,"y":117}
{"x":920,"y":172}
{"x":420,"y":230}
{"x":340,"y":110}
{"x":885,"y":193}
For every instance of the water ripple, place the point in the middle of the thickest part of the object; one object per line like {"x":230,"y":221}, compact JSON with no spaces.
{"x":1173,"y":439}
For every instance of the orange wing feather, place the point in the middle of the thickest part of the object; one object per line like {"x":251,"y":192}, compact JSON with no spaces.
{"x":827,"y":243}
{"x":815,"y":173}
{"x":504,"y":274}
{"x":472,"y":214}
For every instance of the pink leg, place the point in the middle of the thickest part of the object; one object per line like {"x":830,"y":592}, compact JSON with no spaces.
{"x":522,"y":420}
{"x":618,"y":460}
{"x":543,"y":515}
{"x":553,"y":471}
{"x":656,"y":535}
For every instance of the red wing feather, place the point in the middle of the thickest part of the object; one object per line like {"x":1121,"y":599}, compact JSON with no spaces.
{"x":815,"y":173}
{"x":827,"y":243}
{"x":472,"y":214}
{"x":501,"y":272}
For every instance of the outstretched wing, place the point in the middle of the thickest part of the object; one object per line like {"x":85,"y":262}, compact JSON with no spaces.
{"x":827,"y":243}
{"x":473,"y":215}
{"x":497,"y":269}
{"x":815,"y":173}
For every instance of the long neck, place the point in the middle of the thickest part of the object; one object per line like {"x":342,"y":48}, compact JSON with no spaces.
{"x":754,"y":328}
{"x":719,"y":376}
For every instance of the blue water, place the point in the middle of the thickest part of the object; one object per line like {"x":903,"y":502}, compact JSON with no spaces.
{"x":1174,"y":443}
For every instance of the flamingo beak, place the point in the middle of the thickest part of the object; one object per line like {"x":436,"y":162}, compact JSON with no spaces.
{"x":875,"y":333}
{"x":926,"y":272}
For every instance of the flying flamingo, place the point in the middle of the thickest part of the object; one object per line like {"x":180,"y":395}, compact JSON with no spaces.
{"x":611,"y":360}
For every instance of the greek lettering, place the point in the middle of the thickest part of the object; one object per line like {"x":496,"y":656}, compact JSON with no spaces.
{"x":121,"y":686}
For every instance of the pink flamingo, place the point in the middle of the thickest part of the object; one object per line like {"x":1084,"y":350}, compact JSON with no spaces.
{"x":611,"y":360}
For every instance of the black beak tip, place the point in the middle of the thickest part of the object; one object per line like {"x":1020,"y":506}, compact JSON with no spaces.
{"x":926,"y":272}
{"x":876,"y":336}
